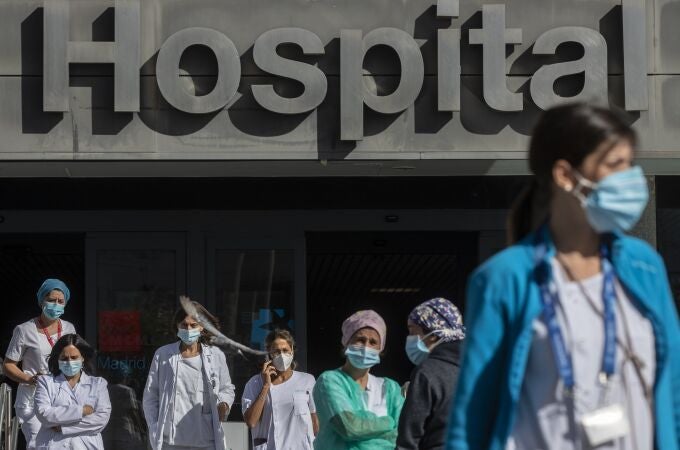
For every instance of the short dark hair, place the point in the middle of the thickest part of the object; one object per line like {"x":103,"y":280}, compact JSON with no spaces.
{"x":85,"y":349}
{"x":180,"y":314}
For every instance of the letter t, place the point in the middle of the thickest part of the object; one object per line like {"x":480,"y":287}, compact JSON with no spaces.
{"x":493,"y":37}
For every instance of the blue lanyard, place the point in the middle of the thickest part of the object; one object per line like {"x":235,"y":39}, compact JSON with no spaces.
{"x":550,"y":298}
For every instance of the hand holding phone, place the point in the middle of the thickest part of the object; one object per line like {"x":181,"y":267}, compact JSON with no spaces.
{"x":268,"y":370}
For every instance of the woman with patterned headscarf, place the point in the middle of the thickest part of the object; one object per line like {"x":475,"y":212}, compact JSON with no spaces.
{"x":30,"y":347}
{"x":433,"y":345}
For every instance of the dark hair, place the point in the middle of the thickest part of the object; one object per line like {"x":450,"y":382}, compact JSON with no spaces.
{"x":180,"y":314}
{"x":88,"y":353}
{"x":570,"y":132}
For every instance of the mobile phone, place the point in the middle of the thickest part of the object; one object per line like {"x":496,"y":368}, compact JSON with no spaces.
{"x":264,"y":360}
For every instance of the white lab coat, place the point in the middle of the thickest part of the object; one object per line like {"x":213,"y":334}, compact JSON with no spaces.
{"x":160,"y":387}
{"x":57,"y":405}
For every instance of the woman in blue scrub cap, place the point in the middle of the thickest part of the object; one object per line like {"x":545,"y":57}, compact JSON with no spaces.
{"x":31,"y":345}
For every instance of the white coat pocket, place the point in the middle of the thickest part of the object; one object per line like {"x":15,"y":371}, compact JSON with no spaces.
{"x":301,"y":402}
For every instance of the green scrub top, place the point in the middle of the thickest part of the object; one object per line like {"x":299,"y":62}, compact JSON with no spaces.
{"x":346,"y":423}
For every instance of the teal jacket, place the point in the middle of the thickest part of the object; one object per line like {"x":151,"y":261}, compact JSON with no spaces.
{"x":503,"y":299}
{"x":345,"y":423}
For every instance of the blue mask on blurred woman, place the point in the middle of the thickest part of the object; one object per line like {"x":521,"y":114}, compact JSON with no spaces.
{"x":362,"y":357}
{"x":616,"y":202}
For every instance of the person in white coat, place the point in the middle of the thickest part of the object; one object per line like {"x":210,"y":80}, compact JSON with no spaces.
{"x":277,"y":403}
{"x":30,"y":347}
{"x":72,"y":404}
{"x":188,"y":391}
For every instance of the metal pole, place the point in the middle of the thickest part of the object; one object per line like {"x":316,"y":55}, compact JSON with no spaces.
{"x":7,"y":392}
{"x":15,"y":433}
{"x":3,"y":406}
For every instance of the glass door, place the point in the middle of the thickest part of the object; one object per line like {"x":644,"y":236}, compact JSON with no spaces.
{"x":133,"y":284}
{"x":254,"y":287}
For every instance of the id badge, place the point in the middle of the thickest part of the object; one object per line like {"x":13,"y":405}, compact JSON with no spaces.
{"x":605,"y":424}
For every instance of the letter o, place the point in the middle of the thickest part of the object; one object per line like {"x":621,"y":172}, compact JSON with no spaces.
{"x":228,"y":73}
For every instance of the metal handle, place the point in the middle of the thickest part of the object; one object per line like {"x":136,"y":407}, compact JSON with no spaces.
{"x":8,"y":425}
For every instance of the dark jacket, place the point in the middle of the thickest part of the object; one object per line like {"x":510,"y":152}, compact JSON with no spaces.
{"x":423,"y":420}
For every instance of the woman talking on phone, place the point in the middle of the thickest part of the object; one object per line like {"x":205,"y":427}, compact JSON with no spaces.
{"x":572,"y":335}
{"x":277,"y":403}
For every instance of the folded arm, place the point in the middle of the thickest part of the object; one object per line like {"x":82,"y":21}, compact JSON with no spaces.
{"x":93,"y":423}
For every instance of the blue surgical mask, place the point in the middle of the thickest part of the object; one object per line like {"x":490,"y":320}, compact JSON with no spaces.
{"x":416,"y":350}
{"x":188,"y":336}
{"x":53,"y":310}
{"x":362,"y":357}
{"x":71,"y":368}
{"x":616,"y":202}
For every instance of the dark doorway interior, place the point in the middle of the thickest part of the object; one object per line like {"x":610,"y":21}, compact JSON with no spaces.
{"x":390,"y":272}
{"x":25,"y":262}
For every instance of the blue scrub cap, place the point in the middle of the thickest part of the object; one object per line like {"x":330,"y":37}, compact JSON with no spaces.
{"x":48,"y":286}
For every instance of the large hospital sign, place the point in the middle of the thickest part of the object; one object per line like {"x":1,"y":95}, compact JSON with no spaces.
{"x":493,"y":37}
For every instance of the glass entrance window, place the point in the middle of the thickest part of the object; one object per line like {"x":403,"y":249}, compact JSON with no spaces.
{"x":136,"y":295}
{"x":254,"y":293}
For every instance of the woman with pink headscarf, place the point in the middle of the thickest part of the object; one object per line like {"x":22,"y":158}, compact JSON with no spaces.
{"x":358,"y":411}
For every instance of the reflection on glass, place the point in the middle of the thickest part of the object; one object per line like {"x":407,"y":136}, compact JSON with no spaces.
{"x":136,"y":300}
{"x":255,"y":294}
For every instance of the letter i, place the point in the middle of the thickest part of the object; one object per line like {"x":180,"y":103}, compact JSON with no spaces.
{"x":448,"y":59}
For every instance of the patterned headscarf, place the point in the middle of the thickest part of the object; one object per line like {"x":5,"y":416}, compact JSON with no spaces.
{"x":50,"y":285}
{"x":364,"y":319}
{"x":440,"y":315}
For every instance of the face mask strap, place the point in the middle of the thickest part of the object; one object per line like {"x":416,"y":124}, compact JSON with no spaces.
{"x":435,"y":333}
{"x":581,"y":184}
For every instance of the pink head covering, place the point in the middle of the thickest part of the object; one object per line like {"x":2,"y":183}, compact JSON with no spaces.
{"x":364,"y":319}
